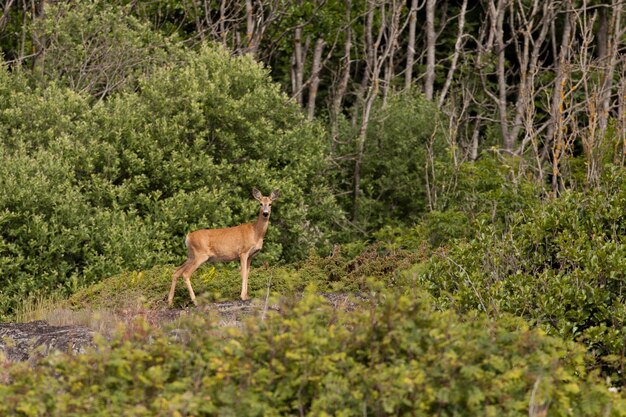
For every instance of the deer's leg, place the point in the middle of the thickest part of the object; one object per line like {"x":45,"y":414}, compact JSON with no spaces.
{"x":190,"y":269}
{"x":244,"y":258}
{"x":177,"y":273}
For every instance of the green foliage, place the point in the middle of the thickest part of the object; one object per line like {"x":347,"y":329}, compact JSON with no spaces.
{"x":96,"y":48}
{"x":396,"y":356}
{"x":489,"y":190}
{"x":404,"y":136}
{"x":560,"y":263}
{"x":89,"y":190}
{"x":465,"y":198}
{"x":342,"y":271}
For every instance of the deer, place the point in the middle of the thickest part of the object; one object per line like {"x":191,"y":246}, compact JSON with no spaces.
{"x":241,"y":243}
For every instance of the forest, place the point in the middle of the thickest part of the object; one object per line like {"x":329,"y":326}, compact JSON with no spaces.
{"x":455,"y":170}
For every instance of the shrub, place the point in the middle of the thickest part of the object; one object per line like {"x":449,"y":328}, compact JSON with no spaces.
{"x":91,"y":189}
{"x":395,"y":356}
{"x":560,"y":264}
{"x":97,"y":48}
{"x":396,"y":154}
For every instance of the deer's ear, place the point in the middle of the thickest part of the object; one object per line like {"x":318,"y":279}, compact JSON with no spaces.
{"x":256,"y":194}
{"x":275,"y":194}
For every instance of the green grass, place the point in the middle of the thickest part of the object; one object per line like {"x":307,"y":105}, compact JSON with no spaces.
{"x":123,"y":296}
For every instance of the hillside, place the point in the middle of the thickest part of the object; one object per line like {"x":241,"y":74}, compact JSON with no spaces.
{"x":390,"y":349}
{"x":447,"y":186}
{"x":388,"y":354}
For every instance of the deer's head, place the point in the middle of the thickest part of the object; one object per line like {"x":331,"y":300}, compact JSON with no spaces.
{"x":266,"y":202}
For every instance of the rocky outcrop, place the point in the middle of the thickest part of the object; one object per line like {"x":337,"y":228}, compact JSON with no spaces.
{"x":30,"y":341}
{"x":36,"y":339}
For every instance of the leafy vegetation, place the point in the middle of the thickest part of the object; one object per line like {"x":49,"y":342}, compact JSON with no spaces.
{"x":560,"y":263}
{"x":476,"y":214}
{"x":116,"y":185}
{"x":396,"y":355}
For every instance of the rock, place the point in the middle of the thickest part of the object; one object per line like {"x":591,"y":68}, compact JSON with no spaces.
{"x":34,"y":340}
{"x":31,"y":341}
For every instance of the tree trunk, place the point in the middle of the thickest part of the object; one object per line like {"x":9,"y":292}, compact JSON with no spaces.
{"x":344,"y":77}
{"x":222,"y":24}
{"x":555,"y":134}
{"x":431,"y":39}
{"x":410,"y":51}
{"x":5,"y":13}
{"x":529,"y":68}
{"x":39,"y":45}
{"x":316,"y":66}
{"x":390,"y":29}
{"x":249,"y":27}
{"x":498,"y":15}
{"x":609,"y":62}
{"x":455,"y":57}
{"x":298,"y":66}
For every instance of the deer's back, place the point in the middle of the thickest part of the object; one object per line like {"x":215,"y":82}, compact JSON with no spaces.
{"x":225,"y":244}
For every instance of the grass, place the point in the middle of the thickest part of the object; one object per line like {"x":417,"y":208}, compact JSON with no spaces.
{"x":41,"y":307}
{"x":122,"y":297}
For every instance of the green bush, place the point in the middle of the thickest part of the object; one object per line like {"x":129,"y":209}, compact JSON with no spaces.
{"x":561,"y":264}
{"x":96,"y":48}
{"x":88,"y":190}
{"x":394,"y":356}
{"x":394,"y":163}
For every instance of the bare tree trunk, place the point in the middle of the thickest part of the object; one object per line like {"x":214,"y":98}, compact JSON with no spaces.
{"x":598,"y":92}
{"x":196,"y":17}
{"x":368,"y":50}
{"x":474,"y":142}
{"x":410,"y":50}
{"x":455,"y":57}
{"x":555,"y":135}
{"x":371,"y":59}
{"x":249,"y":26}
{"x":5,"y":13}
{"x":586,"y":66}
{"x":620,"y":157}
{"x":431,"y":39}
{"x":344,"y":77}
{"x":298,"y":66}
{"x":602,"y":37}
{"x":497,"y":13}
{"x":394,"y":29}
{"x":390,"y":29}
{"x":315,"y":76}
{"x":529,"y":68}
{"x":222,"y":23}
{"x":39,"y":47}
{"x":609,"y":62}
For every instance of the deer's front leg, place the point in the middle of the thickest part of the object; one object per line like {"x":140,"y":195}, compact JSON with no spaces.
{"x":244,"y":275}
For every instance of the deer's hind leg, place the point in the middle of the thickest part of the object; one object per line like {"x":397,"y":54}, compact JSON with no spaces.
{"x":194,"y":264}
{"x":186,"y":269}
{"x":177,"y":273}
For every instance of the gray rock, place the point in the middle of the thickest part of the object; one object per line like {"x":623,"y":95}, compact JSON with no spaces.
{"x":31,"y":341}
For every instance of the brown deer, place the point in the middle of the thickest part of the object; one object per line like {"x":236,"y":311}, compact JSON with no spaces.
{"x":224,"y":245}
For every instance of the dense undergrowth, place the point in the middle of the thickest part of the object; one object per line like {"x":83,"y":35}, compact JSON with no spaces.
{"x":396,"y":355}
{"x":485,"y":294}
{"x":519,"y":317}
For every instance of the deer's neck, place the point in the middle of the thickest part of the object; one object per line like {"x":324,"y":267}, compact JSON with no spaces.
{"x":260,"y":227}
